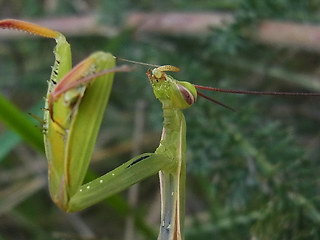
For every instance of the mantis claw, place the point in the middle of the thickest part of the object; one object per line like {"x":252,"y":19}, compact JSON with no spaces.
{"x":28,"y":27}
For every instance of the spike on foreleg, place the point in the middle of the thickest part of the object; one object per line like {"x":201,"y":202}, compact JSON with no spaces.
{"x":41,"y":121}
{"x":42,"y":124}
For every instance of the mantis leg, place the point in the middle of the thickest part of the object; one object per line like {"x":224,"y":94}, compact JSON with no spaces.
{"x":172,"y":205}
{"x":172,"y":180}
{"x":122,"y":177}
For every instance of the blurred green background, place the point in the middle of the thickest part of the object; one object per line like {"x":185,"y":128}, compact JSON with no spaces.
{"x":252,"y":174}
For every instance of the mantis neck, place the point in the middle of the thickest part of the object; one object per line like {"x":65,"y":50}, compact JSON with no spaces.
{"x":172,"y":180}
{"x":173,"y":133}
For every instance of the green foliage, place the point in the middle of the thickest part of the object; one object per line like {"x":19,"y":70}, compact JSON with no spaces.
{"x":253,"y":173}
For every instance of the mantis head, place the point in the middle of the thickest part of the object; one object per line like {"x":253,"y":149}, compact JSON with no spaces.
{"x":177,"y":94}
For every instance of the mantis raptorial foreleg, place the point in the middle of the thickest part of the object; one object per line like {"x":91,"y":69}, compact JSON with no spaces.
{"x":75,"y":103}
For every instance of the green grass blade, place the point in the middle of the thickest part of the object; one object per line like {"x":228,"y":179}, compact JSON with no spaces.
{"x":19,"y":122}
{"x":9,"y":139}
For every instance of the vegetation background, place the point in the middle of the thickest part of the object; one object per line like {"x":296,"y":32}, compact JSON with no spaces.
{"x":253,"y":174}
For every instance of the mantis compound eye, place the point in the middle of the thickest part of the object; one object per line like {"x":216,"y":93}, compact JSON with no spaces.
{"x":187,"y":95}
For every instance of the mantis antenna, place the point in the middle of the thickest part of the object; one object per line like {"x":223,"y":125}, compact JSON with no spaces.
{"x":271,"y":93}
{"x":136,"y":62}
{"x":160,"y":69}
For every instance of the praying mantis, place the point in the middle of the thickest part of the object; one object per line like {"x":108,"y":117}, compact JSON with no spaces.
{"x":74,"y":106}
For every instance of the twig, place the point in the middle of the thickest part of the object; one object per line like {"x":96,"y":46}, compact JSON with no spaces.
{"x":305,"y":36}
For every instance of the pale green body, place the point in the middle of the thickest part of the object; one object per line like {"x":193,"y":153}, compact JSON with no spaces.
{"x":173,"y":146}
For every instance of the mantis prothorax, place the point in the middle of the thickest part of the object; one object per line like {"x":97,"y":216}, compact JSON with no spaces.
{"x":75,"y":103}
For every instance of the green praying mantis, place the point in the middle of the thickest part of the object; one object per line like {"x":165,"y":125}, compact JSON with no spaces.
{"x":75,"y":103}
